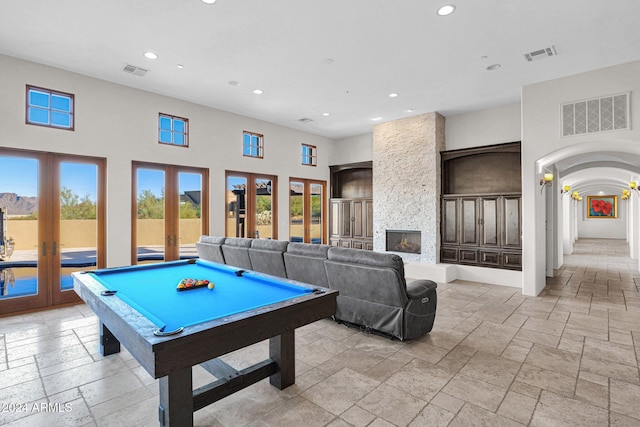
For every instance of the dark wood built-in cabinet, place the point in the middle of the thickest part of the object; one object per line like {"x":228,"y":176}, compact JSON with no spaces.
{"x":483,"y":227}
{"x":351,"y":206}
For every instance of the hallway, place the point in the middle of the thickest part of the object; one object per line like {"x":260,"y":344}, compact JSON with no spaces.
{"x":600,"y":269}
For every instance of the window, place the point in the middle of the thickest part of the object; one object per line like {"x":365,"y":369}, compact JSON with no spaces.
{"x":49,"y":108}
{"x":308,"y":155}
{"x":252,"y":145}
{"x":173,"y":130}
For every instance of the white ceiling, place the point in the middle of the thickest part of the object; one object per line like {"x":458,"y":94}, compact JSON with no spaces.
{"x":343,"y":57}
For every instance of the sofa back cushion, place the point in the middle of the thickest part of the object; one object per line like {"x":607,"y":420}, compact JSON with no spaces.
{"x":236,"y":252}
{"x":267,"y":256}
{"x":366,"y":275}
{"x":305,"y":263}
{"x":210,"y":248}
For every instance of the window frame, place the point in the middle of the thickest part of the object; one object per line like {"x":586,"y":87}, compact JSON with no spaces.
{"x":50,"y":93}
{"x":172,"y":131}
{"x":260,"y":146}
{"x":312,"y":156}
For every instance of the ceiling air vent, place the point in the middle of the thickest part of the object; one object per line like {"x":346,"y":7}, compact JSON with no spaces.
{"x":540,"y":54}
{"x":132,"y":69}
{"x":305,"y":120}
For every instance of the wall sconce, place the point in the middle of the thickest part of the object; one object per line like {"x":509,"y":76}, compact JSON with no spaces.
{"x":634,"y":186}
{"x":626,"y":194}
{"x":546,"y":180}
{"x":576,"y":196}
{"x":565,"y":190}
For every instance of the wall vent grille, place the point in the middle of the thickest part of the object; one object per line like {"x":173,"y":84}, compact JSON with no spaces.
{"x":136,"y":71}
{"x":605,"y":114}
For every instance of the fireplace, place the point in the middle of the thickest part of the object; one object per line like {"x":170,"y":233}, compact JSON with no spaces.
{"x":403,"y":241}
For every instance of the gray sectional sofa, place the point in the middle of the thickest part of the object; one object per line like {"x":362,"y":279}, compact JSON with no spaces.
{"x":373,"y":291}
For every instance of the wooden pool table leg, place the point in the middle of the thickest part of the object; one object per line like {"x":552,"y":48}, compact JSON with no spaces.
{"x":282,"y":351}
{"x":176,"y":399}
{"x":108,"y":343}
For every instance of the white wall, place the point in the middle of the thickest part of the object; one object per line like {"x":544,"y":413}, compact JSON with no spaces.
{"x":602,"y":228}
{"x":487,"y":127}
{"x":353,"y":149}
{"x":120,"y":124}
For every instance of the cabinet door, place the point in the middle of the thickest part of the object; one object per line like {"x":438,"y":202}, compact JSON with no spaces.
{"x":489,"y":224}
{"x":369,"y":219}
{"x":335,"y":218}
{"x":450,"y":222}
{"x":358,"y":219}
{"x":345,"y":218}
{"x":512,"y":229}
{"x":469,"y":221}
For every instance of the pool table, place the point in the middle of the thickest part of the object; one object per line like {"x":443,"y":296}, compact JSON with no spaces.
{"x":169,"y":330}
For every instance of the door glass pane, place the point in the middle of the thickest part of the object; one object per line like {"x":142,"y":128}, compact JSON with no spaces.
{"x":78,"y":240}
{"x":236,"y":201}
{"x":264,"y":224}
{"x":296,"y":211}
{"x":190,"y":208}
{"x":316,"y":214}
{"x":19,"y":227}
{"x":150,"y":222}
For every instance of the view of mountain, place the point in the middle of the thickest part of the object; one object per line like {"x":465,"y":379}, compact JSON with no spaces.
{"x":18,"y":205}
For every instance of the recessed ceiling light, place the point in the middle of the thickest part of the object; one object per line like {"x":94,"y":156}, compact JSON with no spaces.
{"x":209,"y":1}
{"x":326,"y":114}
{"x":180,"y":66}
{"x":446,"y":10}
{"x":258,"y":91}
{"x":233,"y":83}
{"x":393,"y":95}
{"x":375,"y":119}
{"x":410,"y":110}
{"x":328,"y":61}
{"x":493,"y":67}
{"x":150,"y":55}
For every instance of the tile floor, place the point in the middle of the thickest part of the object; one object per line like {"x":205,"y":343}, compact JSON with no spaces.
{"x":568,"y":357}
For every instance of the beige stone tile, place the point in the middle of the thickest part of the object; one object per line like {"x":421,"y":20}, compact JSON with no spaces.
{"x":538,"y":338}
{"x":444,"y":338}
{"x":593,"y":393}
{"x":547,"y":380}
{"x":471,"y":415}
{"x":120,"y":401}
{"x":447,"y":402}
{"x":319,"y":351}
{"x":340,"y":391}
{"x":352,"y":358}
{"x":476,"y":392}
{"x":625,"y":398}
{"x":573,"y":346}
{"x":556,"y":360}
{"x":144,"y":414}
{"x":422,"y":379}
{"x":432,"y":416}
{"x":424,"y":351}
{"x":389,"y":366}
{"x":490,"y":337}
{"x":395,"y":406}
{"x":556,"y":410}
{"x":525,"y":389}
{"x":494,"y":370}
{"x":610,"y":351}
{"x":82,"y":375}
{"x":357,"y":417}
{"x":515,"y":320}
{"x":517,"y":407}
{"x":619,"y":420}
{"x":456,"y":358}
{"x":290,"y":414}
{"x":380,"y":422}
{"x":544,"y":326}
{"x":609,"y":369}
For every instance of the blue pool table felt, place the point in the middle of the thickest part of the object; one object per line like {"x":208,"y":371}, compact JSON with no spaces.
{"x":151,"y":290}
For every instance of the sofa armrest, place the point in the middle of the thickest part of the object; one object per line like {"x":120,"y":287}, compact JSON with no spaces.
{"x":419,"y":289}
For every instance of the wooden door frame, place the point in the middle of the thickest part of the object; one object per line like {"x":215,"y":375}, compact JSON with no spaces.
{"x":250,"y":200}
{"x":171,"y":210}
{"x":48,"y":267}
{"x":306,"y":207}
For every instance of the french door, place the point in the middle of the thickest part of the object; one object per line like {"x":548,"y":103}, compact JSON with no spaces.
{"x":307,"y":201}
{"x":54,"y":222}
{"x":169,"y":211}
{"x":251,"y":205}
